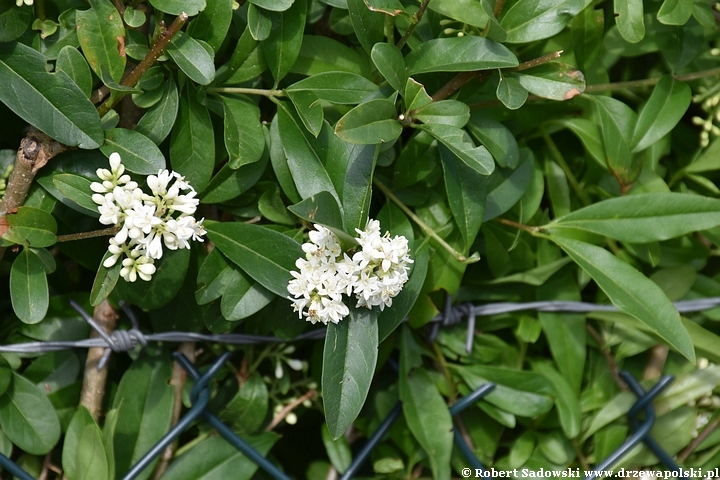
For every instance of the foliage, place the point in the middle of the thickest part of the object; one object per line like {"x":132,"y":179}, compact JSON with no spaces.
{"x":558,"y":150}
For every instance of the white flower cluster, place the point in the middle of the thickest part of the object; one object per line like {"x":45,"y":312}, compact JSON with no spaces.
{"x":146,"y":221}
{"x":375,"y":273}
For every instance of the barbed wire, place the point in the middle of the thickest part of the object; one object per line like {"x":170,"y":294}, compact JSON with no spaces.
{"x":125,"y":340}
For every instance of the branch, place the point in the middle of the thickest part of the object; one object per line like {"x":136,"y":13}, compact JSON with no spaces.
{"x":536,"y":61}
{"x":413,"y":23}
{"x":456,"y":83}
{"x":289,"y":408}
{"x":247,"y":91}
{"x":83,"y":235}
{"x":146,"y":62}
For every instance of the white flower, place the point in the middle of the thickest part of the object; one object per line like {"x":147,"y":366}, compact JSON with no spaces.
{"x":137,"y":265}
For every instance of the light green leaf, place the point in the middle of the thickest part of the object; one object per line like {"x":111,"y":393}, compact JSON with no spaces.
{"x":244,"y":137}
{"x":554,"y":80}
{"x":390,"y":63}
{"x":31,"y":227}
{"x":51,"y":102}
{"x":139,"y":154}
{"x":192,"y":144}
{"x":176,"y":7}
{"x":100,"y":31}
{"x":80,"y":419}
{"x":446,"y":112}
{"x":370,"y":123}
{"x":273,"y":5}
{"x":510,"y":92}
{"x":675,"y":12}
{"x":282,"y":46}
{"x":28,"y":418}
{"x":192,"y":58}
{"x":566,"y":402}
{"x":91,"y":461}
{"x":336,"y":87}
{"x":666,"y":106}
{"x":349,"y":359}
{"x":159,"y":119}
{"x":459,"y":142}
{"x":264,"y":254}
{"x":529,"y":20}
{"x":259,"y":23}
{"x":631,"y":292}
{"x":459,"y":54}
{"x":105,"y":281}
{"x":28,"y":287}
{"x":644,"y":218}
{"x":629,"y":19}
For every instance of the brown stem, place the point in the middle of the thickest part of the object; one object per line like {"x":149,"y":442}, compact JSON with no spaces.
{"x":415,"y":20}
{"x":536,"y":61}
{"x":499,"y":4}
{"x":510,"y":223}
{"x":656,"y":363}
{"x":289,"y":408}
{"x":455,"y":84}
{"x":612,"y":365}
{"x":120,"y":5}
{"x":179,"y":376}
{"x":146,"y":62}
{"x":83,"y":235}
{"x":93,"y":387}
{"x":709,"y":428}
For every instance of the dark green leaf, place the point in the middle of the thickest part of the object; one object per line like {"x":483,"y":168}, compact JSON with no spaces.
{"x":320,"y":54}
{"x":273,"y":5}
{"x":139,"y":153}
{"x":212,"y":24}
{"x":165,"y":284}
{"x":631,"y":292}
{"x":336,"y":87}
{"x":415,"y":95}
{"x":176,"y":7}
{"x":554,"y":80}
{"x":588,"y":28}
{"x":459,"y":142}
{"x":247,"y":409}
{"x":644,"y":218}
{"x":192,"y":58}
{"x":446,"y":112}
{"x":529,"y":20}
{"x":228,"y":183}
{"x":244,"y":137}
{"x":459,"y":54}
{"x":589,"y":134}
{"x":245,"y":298}
{"x":259,"y":23}
{"x":144,"y":400}
{"x":72,"y":62}
{"x":100,"y":31}
{"x":566,"y":402}
{"x":158,"y":121}
{"x":629,"y":19}
{"x":510,"y":92}
{"x":666,"y":106}
{"x":390,"y":63}
{"x":264,"y":254}
{"x":617,"y":122}
{"x":14,"y":20}
{"x":51,"y":102}
{"x":370,"y":123}
{"x":28,"y":418}
{"x":282,"y":46}
{"x":31,"y":227}
{"x":368,"y":25}
{"x":349,"y":360}
{"x":506,"y":186}
{"x":497,"y":139}
{"x":338,"y":450}
{"x":308,"y":108}
{"x":105,"y":281}
{"x":322,"y":208}
{"x":29,"y":287}
{"x":675,"y":12}
{"x":77,"y":189}
{"x":192,"y":144}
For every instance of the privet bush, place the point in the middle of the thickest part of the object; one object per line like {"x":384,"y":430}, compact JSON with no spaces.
{"x":263,"y":166}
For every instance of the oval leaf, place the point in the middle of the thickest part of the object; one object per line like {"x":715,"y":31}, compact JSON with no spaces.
{"x":666,"y":106}
{"x":139,"y":153}
{"x":192,"y":58}
{"x":31,"y":227}
{"x":337,"y":87}
{"x":29,"y":287}
{"x":459,"y":54}
{"x":370,"y":123}
{"x":102,"y":38}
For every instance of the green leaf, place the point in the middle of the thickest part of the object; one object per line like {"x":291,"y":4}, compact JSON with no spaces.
{"x":259,"y":23}
{"x":388,"y":7}
{"x":159,"y":119}
{"x":14,"y":20}
{"x":77,"y":189}
{"x":212,"y":24}
{"x":371,"y":122}
{"x":459,"y":54}
{"x":629,"y":19}
{"x":273,"y":5}
{"x":675,"y":12}
{"x":589,"y":134}
{"x":531,"y":20}
{"x":108,"y":434}
{"x":31,"y":227}
{"x":105,"y":281}
{"x":510,"y":92}
{"x":228,"y":183}
{"x":244,"y":137}
{"x":91,"y":459}
{"x":192,"y":58}
{"x":303,"y":156}
{"x":460,"y":144}
{"x":349,"y":360}
{"x":338,"y":450}
{"x":425,"y":410}
{"x":192,"y":144}
{"x":52,"y":103}
{"x":554,"y":80}
{"x":100,"y":31}
{"x":415,"y":95}
{"x":497,"y":138}
{"x":282,"y":46}
{"x":165,"y":284}
{"x":666,"y":106}
{"x":309,"y":109}
{"x":133,"y":17}
{"x":80,"y":420}
{"x":245,"y":298}
{"x":323,"y":209}
{"x":588,"y":28}
{"x":28,"y":418}
{"x":266,"y":255}
{"x":139,"y":154}
{"x":446,"y":112}
{"x":336,"y":87}
{"x":144,"y":400}
{"x":176,"y":7}
{"x":644,"y":218}
{"x":247,"y":410}
{"x":566,"y":402}
{"x":320,"y":54}
{"x":72,"y":62}
{"x":368,"y":25}
{"x":215,"y":458}
{"x":390,"y":63}
{"x":471,"y":13}
{"x":467,"y":191}
{"x":506,"y":186}
{"x":631,"y":292}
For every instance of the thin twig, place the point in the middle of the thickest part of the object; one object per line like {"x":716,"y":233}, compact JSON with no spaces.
{"x":612,"y":365}
{"x":560,"y":160}
{"x":289,"y":408}
{"x":146,"y":62}
{"x":247,"y":91}
{"x":105,"y":232}
{"x":536,"y":61}
{"x":709,"y":428}
{"x":530,"y":229}
{"x":457,"y":82}
{"x":656,"y":363}
{"x":417,"y":16}
{"x":499,"y":4}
